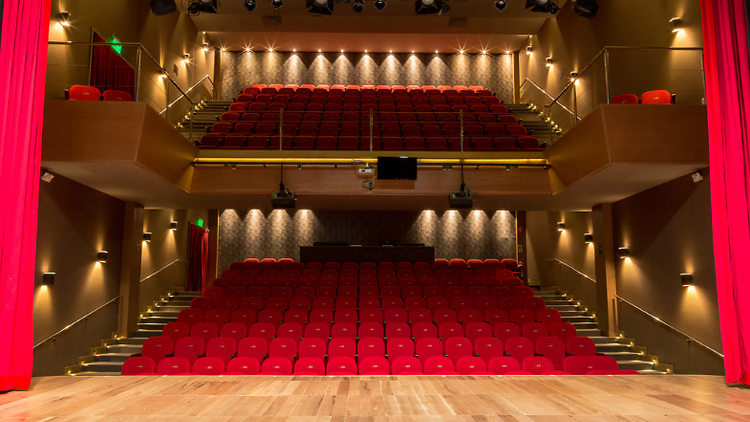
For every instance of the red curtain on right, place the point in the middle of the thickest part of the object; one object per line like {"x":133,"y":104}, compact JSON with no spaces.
{"x":727,"y":67}
{"x":197,"y":258}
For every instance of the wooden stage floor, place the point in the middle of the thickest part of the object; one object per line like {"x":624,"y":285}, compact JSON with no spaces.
{"x":674,"y":398}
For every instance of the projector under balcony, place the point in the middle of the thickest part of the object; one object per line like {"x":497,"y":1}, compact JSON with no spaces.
{"x":461,"y":199}
{"x":283,"y":199}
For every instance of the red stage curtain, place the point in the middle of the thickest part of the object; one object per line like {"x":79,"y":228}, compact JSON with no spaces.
{"x":109,"y":70}
{"x":197,"y":258}
{"x":727,"y":65}
{"x":23,"y":54}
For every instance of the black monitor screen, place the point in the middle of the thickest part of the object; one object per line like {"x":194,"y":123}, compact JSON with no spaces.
{"x":397,"y":168}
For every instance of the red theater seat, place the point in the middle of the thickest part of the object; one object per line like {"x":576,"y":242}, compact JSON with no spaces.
{"x":138,"y":366}
{"x":439,"y":365}
{"x":276,"y":366}
{"x":657,"y":97}
{"x":84,"y":93}
{"x":243,"y":366}
{"x":173,"y":366}
{"x":581,"y":365}
{"x":341,"y":366}
{"x":624,"y":99}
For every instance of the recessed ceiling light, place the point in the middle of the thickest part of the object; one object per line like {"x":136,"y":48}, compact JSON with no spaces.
{"x":342,"y":51}
{"x":460,"y":52}
{"x":437,"y":51}
{"x":320,"y":50}
{"x":484,"y":51}
{"x":270,"y":49}
{"x":390,"y":51}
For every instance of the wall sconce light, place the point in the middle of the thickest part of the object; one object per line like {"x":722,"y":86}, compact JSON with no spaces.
{"x":460,"y":52}
{"x":484,"y":51}
{"x":270,"y":49}
{"x":623,"y":253}
{"x":65,"y":18}
{"x":529,"y":50}
{"x":101,"y":256}
{"x":560,"y":226}
{"x":294,"y":50}
{"x":573,"y":76}
{"x":205,"y":47}
{"x":548,"y":62}
{"x":342,"y":51}
{"x":147,"y":236}
{"x":48,"y":279}
{"x":588,"y":238}
{"x":173,"y":226}
{"x":223,"y":49}
{"x":687,"y":279}
{"x":186,"y":58}
{"x":390,"y":51}
{"x":676,"y":24}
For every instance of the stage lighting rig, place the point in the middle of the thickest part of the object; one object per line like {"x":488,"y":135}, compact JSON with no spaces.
{"x":429,"y":7}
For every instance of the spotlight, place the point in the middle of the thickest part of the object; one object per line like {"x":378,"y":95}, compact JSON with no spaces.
{"x":588,"y":238}
{"x":294,"y":50}
{"x":101,"y":257}
{"x":437,"y":51}
{"x":543,"y":6}
{"x":586,"y":8}
{"x":561,"y":226}
{"x":500,"y":5}
{"x":250,"y":5}
{"x":573,"y":76}
{"x":186,"y":58}
{"x":358,"y":5}
{"x":163,"y":7}
{"x":320,"y":50}
{"x":529,"y":50}
{"x":320,"y":7}
{"x":390,"y":51}
{"x":147,"y":236}
{"x":342,"y":51}
{"x":380,"y":5}
{"x":277,"y":3}
{"x":428,"y":7}
{"x":548,"y":62}
{"x":686,"y":279}
{"x":173,"y":225}
{"x":675,"y":22}
{"x":48,"y":279}
{"x":623,"y":253}
{"x":270,"y":49}
{"x":65,"y":18}
{"x":460,"y":52}
{"x":205,"y":47}
{"x":195,"y":8}
{"x":484,"y":52}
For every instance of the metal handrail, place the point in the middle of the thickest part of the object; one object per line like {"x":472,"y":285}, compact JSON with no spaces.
{"x":188,"y":90}
{"x":545,"y":93}
{"x":114,"y":299}
{"x":141,"y":48}
{"x":605,"y":51}
{"x":652,"y":316}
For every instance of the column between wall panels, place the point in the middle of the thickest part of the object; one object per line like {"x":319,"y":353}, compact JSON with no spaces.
{"x":604,"y":260}
{"x":130,"y":273}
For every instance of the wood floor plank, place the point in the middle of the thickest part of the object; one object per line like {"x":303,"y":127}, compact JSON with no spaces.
{"x":379,"y":399}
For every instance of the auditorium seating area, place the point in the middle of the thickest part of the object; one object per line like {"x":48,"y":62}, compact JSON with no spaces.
{"x":368,"y":117}
{"x":442,"y":318}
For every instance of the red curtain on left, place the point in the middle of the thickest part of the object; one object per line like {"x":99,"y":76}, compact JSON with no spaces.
{"x":109,"y":70}
{"x":23,"y":54}
{"x":197,"y":258}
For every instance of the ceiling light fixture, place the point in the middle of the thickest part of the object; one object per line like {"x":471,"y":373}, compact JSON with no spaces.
{"x":437,"y":51}
{"x":270,"y":49}
{"x":500,"y":5}
{"x":586,"y":8}
{"x":358,"y":5}
{"x":320,"y":7}
{"x":277,"y":4}
{"x":429,"y":7}
{"x":342,"y":51}
{"x":543,"y":6}
{"x":250,"y":5}
{"x":380,"y":5}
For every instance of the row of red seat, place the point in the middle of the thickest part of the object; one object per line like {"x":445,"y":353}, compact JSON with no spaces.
{"x":90,"y":93}
{"x":245,"y":101}
{"x":353,"y":143}
{"x":373,"y":366}
{"x":650,"y":97}
{"x":363,"y":88}
{"x":278,"y":315}
{"x":354,"y":124}
{"x":390,"y":286}
{"x":370,"y":344}
{"x":454,"y":264}
{"x":354,"y":273}
{"x":366,"y":109}
{"x":349,"y":290}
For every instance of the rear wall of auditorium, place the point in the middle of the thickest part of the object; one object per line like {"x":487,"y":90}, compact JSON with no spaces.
{"x":278,"y":234}
{"x":240,"y":70}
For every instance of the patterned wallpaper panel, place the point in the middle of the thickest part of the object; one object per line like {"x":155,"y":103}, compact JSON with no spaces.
{"x":278,"y":234}
{"x":240,"y":70}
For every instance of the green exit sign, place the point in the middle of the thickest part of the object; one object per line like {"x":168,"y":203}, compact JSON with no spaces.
{"x":199,"y":223}
{"x":116,"y":45}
